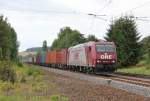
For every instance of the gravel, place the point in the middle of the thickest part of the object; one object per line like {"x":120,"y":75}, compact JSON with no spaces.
{"x":80,"y":87}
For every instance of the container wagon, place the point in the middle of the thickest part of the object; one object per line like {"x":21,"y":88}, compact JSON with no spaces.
{"x":87,"y":57}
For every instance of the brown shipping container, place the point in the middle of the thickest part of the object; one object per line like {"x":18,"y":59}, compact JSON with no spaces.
{"x":59,"y":57}
{"x":64,"y":56}
{"x":55,"y":57}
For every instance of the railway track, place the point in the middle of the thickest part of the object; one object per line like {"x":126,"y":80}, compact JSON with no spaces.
{"x":123,"y":77}
{"x":131,"y":79}
{"x":128,"y":78}
{"x":141,"y":80}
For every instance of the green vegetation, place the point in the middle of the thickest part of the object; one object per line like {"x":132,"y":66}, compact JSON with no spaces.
{"x":146,"y":50}
{"x":146,"y":44}
{"x":143,"y":67}
{"x":35,"y":98}
{"x":8,"y":41}
{"x":124,"y":33}
{"x":31,"y":84}
{"x":92,"y":38}
{"x":135,"y":70}
{"x":7,"y":73}
{"x":67,"y":37}
{"x":58,"y":98}
{"x":24,"y":98}
{"x":44,"y":47}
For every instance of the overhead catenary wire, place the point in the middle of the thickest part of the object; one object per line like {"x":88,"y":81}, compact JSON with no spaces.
{"x":40,"y":10}
{"x":133,"y":9}
{"x":98,"y":16}
{"x":139,"y":6}
{"x":47,"y":11}
{"x":106,"y":5}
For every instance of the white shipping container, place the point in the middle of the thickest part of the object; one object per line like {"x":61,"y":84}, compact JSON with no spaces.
{"x":34,"y":59}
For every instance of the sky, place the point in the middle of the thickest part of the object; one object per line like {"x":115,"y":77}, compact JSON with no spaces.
{"x":39,"y":20}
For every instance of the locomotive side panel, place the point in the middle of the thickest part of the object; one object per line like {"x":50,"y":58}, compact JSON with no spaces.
{"x":77,"y":56}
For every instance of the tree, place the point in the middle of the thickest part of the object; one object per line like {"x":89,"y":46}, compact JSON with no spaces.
{"x":146,"y":44}
{"x":124,"y":33}
{"x":146,"y":47}
{"x":92,"y":38}
{"x":44,"y":47}
{"x":67,"y":38}
{"x":14,"y":46}
{"x":1,"y":53}
{"x":8,"y":40}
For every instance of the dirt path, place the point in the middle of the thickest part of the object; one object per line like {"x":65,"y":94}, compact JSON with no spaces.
{"x":80,"y":90}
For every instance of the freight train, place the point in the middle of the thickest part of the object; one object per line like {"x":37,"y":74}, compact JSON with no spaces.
{"x":91,"y":57}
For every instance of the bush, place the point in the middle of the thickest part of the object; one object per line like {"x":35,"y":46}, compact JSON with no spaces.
{"x":6,"y":87}
{"x":19,"y":64}
{"x":33,"y":71}
{"x":7,"y":73}
{"x":23,"y":79}
{"x":59,"y":98}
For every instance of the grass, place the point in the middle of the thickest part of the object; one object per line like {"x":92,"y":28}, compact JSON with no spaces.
{"x":135,"y":70}
{"x":34,"y":98}
{"x":32,"y":84}
{"x":22,"y":98}
{"x":143,"y":67}
{"x":58,"y":98}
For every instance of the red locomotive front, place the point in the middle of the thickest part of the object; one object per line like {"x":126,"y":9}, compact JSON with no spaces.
{"x":106,"y":56}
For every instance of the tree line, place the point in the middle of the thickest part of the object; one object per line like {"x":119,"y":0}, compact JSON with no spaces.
{"x":8,"y":40}
{"x":122,"y":31}
{"x":68,"y":37}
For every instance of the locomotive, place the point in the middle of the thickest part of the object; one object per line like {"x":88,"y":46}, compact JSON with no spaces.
{"x":87,"y":57}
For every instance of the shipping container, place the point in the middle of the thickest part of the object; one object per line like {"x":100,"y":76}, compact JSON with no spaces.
{"x":42,"y":57}
{"x":48,"y":56}
{"x":38,"y":59}
{"x":64,"y":56}
{"x":34,"y":59}
{"x":30,"y":59}
{"x":55,"y":57}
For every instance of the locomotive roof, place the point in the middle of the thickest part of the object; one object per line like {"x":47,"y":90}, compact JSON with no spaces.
{"x":91,"y":43}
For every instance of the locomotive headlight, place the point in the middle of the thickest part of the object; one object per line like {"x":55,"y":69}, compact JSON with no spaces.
{"x":98,"y":61}
{"x":113,"y":61}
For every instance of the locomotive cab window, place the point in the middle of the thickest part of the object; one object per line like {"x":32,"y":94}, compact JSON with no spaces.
{"x":105,"y":48}
{"x":100,"y":48}
{"x":110,"y":48}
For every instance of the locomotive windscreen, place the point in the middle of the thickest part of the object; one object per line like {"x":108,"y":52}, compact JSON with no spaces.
{"x":105,"y":48}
